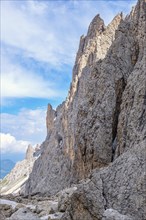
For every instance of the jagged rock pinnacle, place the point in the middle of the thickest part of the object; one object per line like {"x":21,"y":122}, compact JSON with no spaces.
{"x":50,"y":118}
{"x":29,"y":152}
{"x":100,"y":125}
{"x":96,"y":27}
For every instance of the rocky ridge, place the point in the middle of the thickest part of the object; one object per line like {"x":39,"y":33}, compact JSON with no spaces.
{"x":15,"y":180}
{"x":96,"y":139}
{"x":63,"y":158}
{"x":98,"y":133}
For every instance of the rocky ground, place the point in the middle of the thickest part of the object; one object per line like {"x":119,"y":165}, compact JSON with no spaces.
{"x":25,"y":209}
{"x":35,"y":207}
{"x":44,"y":208}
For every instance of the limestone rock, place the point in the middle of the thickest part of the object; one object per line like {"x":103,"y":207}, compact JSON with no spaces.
{"x":56,"y":216}
{"x":6,"y":210}
{"x":98,"y":133}
{"x":111,"y":214}
{"x":120,"y":186}
{"x":50,"y":119}
{"x":29,"y":153}
{"x":2,"y":217}
{"x":15,"y":180}
{"x":123,"y":182}
{"x":87,"y":202}
{"x":46,"y":207}
{"x":61,"y":158}
{"x":23,"y":214}
{"x":64,"y":198}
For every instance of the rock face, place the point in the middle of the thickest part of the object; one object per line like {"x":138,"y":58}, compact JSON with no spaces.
{"x":50,"y":119}
{"x":99,"y":132}
{"x":13,"y":182}
{"x":120,"y":186}
{"x":23,"y":214}
{"x":66,"y":158}
{"x":111,"y":214}
{"x":64,"y":198}
{"x":29,"y":153}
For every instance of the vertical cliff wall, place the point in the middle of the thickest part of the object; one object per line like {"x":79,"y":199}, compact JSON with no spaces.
{"x":118,"y":190}
{"x":103,"y":116}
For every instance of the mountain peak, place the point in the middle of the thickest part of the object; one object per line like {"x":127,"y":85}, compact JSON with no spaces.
{"x":97,"y":136}
{"x":96,"y":26}
{"x":29,"y":152}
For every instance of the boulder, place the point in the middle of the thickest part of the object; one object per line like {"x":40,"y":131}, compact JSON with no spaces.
{"x":64,"y":198}
{"x":111,"y":214}
{"x":23,"y":214}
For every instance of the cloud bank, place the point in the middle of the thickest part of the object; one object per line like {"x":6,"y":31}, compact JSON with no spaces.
{"x":18,"y":82}
{"x":28,"y":125}
{"x":9,"y":144}
{"x":45,"y":33}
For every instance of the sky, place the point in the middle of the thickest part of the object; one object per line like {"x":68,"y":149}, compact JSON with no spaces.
{"x":39,"y":42}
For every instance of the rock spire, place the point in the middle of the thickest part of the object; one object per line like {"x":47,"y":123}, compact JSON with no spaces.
{"x":98,"y":134}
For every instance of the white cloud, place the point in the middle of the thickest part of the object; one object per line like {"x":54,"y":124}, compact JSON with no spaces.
{"x":49,"y":31}
{"x":9,"y":144}
{"x":18,"y":82}
{"x":36,"y":7}
{"x":29,"y":125}
{"x":37,"y":36}
{"x":46,"y":31}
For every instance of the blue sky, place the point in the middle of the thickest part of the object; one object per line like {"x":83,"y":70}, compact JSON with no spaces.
{"x":39,"y":41}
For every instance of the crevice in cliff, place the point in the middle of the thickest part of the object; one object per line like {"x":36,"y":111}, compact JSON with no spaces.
{"x":104,"y":195}
{"x":119,"y":89}
{"x":70,"y":215}
{"x":142,"y":118}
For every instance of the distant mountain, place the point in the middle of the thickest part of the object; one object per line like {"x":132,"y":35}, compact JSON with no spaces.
{"x":5,"y":167}
{"x":14,"y":182}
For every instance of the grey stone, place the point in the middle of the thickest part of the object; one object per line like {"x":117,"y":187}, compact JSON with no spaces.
{"x":98,"y":134}
{"x":46,"y":207}
{"x":56,"y":216}
{"x":2,"y":216}
{"x":64,"y":198}
{"x":14,"y":182}
{"x":63,"y":155}
{"x":87,"y":202}
{"x":111,"y":214}
{"x":24,"y":214}
{"x":6,"y":210}
{"x":29,"y":153}
{"x":120,"y":186}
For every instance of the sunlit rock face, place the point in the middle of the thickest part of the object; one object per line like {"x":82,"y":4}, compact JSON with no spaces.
{"x":15,"y":180}
{"x":29,"y":153}
{"x":63,"y":156}
{"x":101,"y":125}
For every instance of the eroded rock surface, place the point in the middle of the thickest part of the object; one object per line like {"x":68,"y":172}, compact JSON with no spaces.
{"x":64,"y":198}
{"x":111,"y":214}
{"x":65,"y":156}
{"x":36,"y":207}
{"x":15,"y":180}
{"x":24,"y":214}
{"x":29,"y":153}
{"x":120,"y":186}
{"x":99,"y":132}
